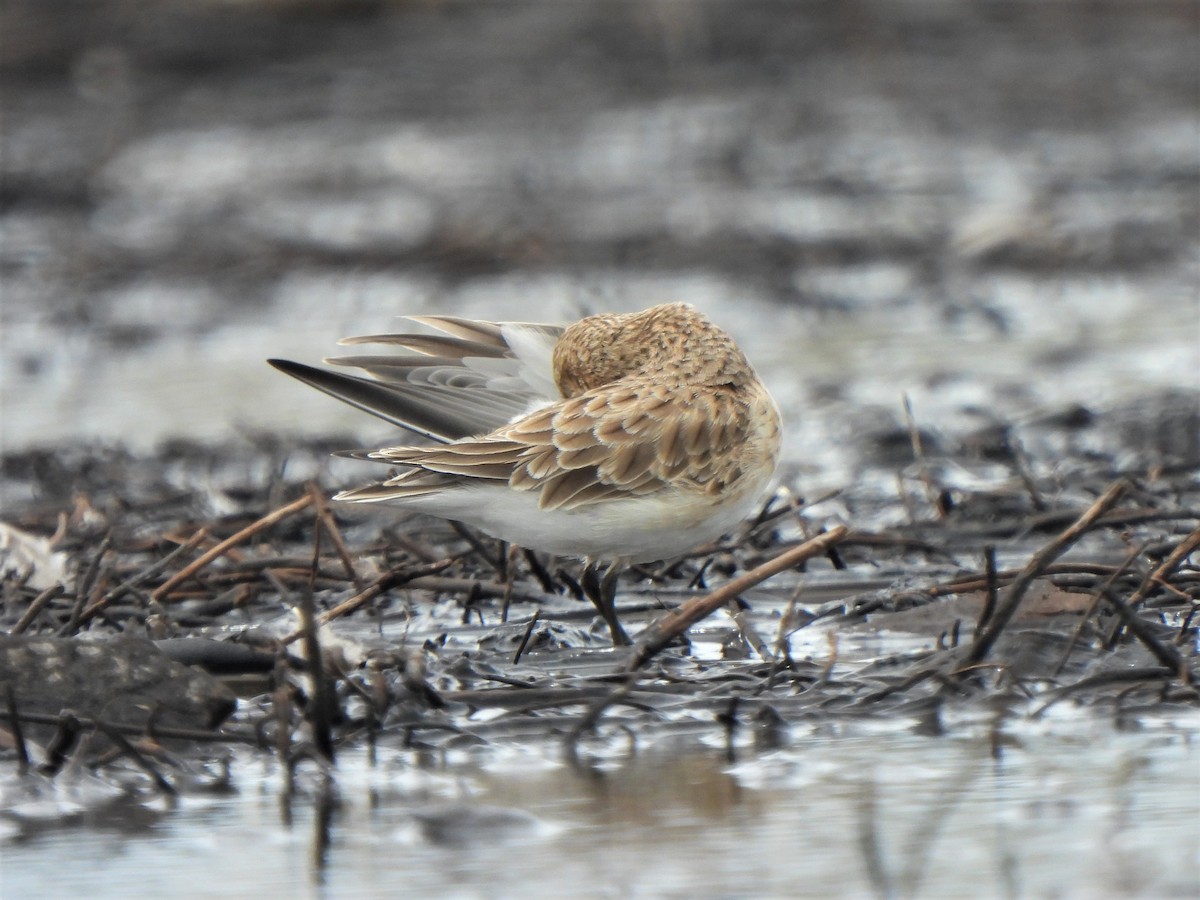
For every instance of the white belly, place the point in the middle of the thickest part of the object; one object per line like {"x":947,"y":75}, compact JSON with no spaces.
{"x":637,"y":529}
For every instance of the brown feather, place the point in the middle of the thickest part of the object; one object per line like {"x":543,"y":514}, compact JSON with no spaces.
{"x":653,"y":400}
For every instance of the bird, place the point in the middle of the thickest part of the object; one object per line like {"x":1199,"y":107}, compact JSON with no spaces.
{"x":619,"y":439}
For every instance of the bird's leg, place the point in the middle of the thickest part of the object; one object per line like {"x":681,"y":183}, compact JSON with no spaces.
{"x":602,"y":591}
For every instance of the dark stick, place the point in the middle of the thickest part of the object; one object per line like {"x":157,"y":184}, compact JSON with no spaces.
{"x":1166,"y":654}
{"x":525,"y":637}
{"x":138,"y":757}
{"x":327,"y":521}
{"x":1005,"y":577}
{"x":322,"y":696}
{"x":1025,"y":472}
{"x":768,"y":518}
{"x":539,"y":571}
{"x":85,"y":723}
{"x":143,"y":576}
{"x":1159,"y":576}
{"x":1096,"y":595}
{"x":18,"y":733}
{"x":911,"y":681}
{"x":326,"y":806}
{"x":989,"y":603}
{"x":1034,"y":569}
{"x":596,"y":710}
{"x":281,"y":706}
{"x":386,"y":581}
{"x":35,"y":608}
{"x":478,"y":546}
{"x":1119,"y":676}
{"x":509,"y":576}
{"x":728,"y":719}
{"x":84,"y":588}
{"x":869,"y":841}
{"x":61,"y":744}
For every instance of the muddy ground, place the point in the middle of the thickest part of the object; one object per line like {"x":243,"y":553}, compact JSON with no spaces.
{"x":998,"y":602}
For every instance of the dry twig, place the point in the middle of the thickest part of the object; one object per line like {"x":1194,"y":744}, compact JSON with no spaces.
{"x":229,"y":543}
{"x":664,"y":630}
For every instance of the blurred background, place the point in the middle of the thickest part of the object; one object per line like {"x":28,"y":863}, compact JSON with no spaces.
{"x":993,"y":207}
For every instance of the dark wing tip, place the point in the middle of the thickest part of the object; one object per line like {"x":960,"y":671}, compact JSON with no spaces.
{"x":422,"y":415}
{"x":286,"y":365}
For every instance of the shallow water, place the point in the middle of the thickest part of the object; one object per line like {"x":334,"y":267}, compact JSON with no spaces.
{"x":1070,"y":808}
{"x":1081,"y":800}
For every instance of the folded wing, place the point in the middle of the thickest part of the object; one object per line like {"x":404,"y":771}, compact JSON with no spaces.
{"x":622,"y":440}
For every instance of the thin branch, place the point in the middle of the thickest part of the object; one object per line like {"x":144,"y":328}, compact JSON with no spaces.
{"x":1034,"y":569}
{"x":664,"y":630}
{"x":229,"y":543}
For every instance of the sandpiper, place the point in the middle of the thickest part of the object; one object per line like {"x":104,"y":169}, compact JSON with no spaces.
{"x":622,"y":438}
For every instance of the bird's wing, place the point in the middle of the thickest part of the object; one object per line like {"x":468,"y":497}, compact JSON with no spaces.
{"x":621,"y":440}
{"x":472,"y":379}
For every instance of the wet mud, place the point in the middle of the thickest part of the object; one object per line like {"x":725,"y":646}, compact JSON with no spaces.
{"x":983,"y":603}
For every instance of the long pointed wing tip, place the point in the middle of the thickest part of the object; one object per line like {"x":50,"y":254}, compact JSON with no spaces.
{"x":286,"y":366}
